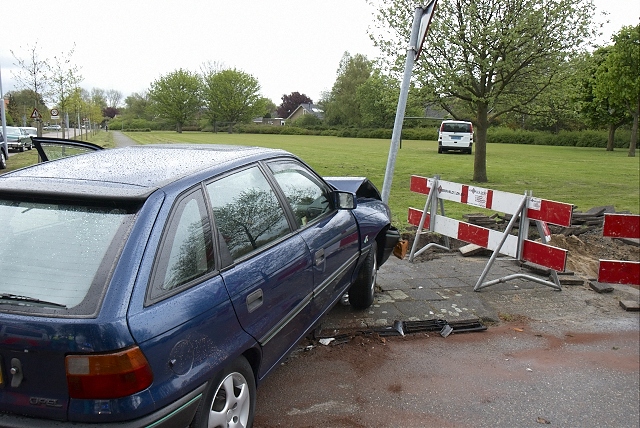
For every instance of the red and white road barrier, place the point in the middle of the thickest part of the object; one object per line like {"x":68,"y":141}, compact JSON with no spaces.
{"x":528,"y":208}
{"x":616,"y":271}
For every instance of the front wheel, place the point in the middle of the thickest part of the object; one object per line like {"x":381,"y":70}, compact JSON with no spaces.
{"x":362,"y":291}
{"x":230,"y":399}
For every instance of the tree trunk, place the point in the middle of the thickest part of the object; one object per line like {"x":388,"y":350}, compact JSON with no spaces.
{"x":480,"y":159}
{"x":634,"y":132}
{"x":179,"y":128}
{"x":612,"y":134}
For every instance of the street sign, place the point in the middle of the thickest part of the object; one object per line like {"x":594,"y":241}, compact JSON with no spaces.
{"x":425,"y":20}
{"x":36,"y":114}
{"x":54,"y":113}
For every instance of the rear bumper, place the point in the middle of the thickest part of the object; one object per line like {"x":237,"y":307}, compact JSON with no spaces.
{"x":178,"y":414}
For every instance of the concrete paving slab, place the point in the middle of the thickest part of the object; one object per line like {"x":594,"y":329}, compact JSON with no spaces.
{"x":443,"y":288}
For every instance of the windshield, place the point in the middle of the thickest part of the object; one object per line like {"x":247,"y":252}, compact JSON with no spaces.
{"x":456,"y":127}
{"x":53,"y":252}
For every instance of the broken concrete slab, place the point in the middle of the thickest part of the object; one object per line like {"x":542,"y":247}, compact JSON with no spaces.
{"x":630,"y":305}
{"x":600,"y":287}
{"x":472,"y":250}
{"x":570,"y":280}
{"x":537,"y":269}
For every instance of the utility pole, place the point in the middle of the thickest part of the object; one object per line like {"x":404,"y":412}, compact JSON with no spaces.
{"x":421,"y":21}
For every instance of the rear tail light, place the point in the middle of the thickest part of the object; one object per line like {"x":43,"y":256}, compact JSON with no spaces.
{"x":107,"y":376}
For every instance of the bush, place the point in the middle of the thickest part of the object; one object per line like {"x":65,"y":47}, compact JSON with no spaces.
{"x":498,"y":135}
{"x":563,"y":138}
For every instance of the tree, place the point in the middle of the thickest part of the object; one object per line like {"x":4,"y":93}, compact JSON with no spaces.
{"x":291,"y":102}
{"x":618,"y":78}
{"x":599,"y":111}
{"x":176,"y":96}
{"x":378,"y":100}
{"x":232,"y":96}
{"x":113,"y":98}
{"x":341,"y":106}
{"x":33,"y":74}
{"x":138,"y":106}
{"x":65,"y":78}
{"x":98,"y":96}
{"x":487,"y":58}
{"x":21,"y":104}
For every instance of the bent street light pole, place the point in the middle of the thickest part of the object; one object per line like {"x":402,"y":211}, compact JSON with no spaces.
{"x":419,"y":29}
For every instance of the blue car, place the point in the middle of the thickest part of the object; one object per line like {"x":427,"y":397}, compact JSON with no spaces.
{"x":159,"y":285}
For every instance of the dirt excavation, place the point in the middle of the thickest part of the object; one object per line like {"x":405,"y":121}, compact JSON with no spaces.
{"x":586,"y":249}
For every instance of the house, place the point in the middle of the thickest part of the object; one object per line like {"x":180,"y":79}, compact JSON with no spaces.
{"x":274,"y":121}
{"x":304,"y":109}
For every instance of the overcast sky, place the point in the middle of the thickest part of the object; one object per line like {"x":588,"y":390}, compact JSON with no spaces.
{"x":288,"y":45}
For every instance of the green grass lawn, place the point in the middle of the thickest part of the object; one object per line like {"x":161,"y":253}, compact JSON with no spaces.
{"x":585,"y":177}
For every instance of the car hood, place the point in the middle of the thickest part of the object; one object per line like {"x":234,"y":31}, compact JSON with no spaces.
{"x":361,"y":186}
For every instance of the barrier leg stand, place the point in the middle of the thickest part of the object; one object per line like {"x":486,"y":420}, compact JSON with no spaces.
{"x":543,"y":237}
{"x":479,"y":285}
{"x":430,"y":207}
{"x":522,"y":234}
{"x":446,"y":238}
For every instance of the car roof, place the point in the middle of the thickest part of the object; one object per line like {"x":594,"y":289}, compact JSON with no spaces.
{"x":129,"y":173}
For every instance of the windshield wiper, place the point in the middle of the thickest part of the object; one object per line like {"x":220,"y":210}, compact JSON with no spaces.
{"x":27,"y":299}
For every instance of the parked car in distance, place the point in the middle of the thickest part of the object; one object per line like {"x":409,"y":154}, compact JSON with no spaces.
{"x":159,"y":285}
{"x":52,"y":128}
{"x":31,"y":130}
{"x":455,"y":135}
{"x":4,"y":152}
{"x":18,"y":139}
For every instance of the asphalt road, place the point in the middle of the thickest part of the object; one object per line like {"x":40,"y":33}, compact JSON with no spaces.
{"x":565,"y":358}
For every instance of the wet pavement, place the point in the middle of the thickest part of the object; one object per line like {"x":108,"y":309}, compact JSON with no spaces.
{"x":443,"y":288}
{"x":552,"y":358}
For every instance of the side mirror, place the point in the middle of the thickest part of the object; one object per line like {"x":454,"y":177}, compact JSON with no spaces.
{"x":344,"y":200}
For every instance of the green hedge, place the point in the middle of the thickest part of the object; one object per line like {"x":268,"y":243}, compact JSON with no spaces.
{"x":494,"y":135}
{"x":563,"y":138}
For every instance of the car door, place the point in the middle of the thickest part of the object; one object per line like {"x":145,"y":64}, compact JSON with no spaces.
{"x":56,"y":148}
{"x":270,"y":280}
{"x":330,"y":234}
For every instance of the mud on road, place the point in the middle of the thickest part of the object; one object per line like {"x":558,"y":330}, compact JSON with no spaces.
{"x":512,"y":375}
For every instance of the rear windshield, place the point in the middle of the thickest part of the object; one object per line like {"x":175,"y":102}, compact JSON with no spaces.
{"x":56,"y":253}
{"x":456,"y":127}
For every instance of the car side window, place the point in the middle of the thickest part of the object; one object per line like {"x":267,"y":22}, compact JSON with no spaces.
{"x":307,"y":195}
{"x":187,"y":248}
{"x":247,"y":212}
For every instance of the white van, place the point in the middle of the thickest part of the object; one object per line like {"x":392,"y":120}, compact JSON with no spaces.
{"x":455,"y":135}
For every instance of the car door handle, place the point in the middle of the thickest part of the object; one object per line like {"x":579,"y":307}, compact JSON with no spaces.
{"x":254,"y":300}
{"x":318,"y":259}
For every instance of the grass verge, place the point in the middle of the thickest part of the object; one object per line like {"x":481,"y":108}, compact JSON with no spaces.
{"x":585,"y":177}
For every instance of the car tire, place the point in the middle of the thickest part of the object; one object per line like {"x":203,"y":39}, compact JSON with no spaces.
{"x":21,"y":149}
{"x":230,"y":398}
{"x":3,"y":160}
{"x":362,"y":291}
{"x":439,"y":149}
